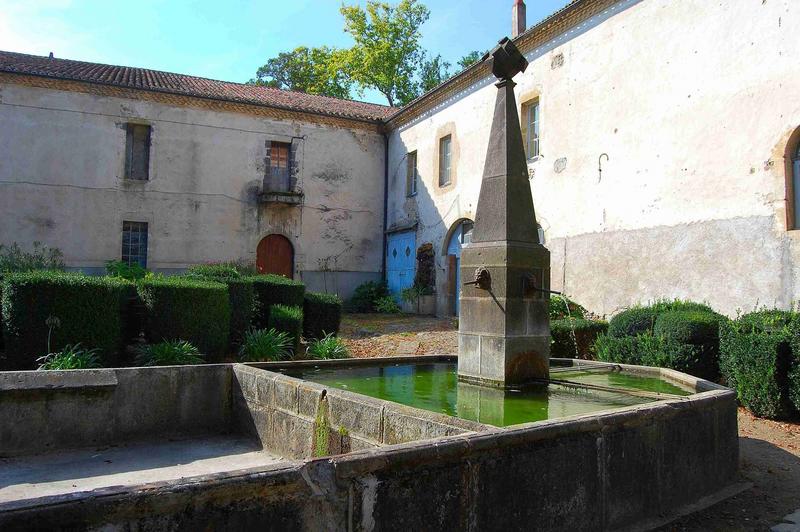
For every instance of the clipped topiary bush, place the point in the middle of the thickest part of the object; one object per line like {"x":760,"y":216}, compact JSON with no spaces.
{"x":585,"y":331}
{"x":180,"y":308}
{"x":322,"y":315}
{"x":690,"y":342}
{"x":241,"y":296}
{"x":82,"y":309}
{"x":635,"y":320}
{"x":619,"y":350}
{"x":287,"y":319}
{"x":273,"y":290}
{"x":757,"y":360}
{"x":218,"y":272}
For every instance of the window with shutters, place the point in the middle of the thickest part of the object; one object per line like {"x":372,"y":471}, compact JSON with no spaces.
{"x":134,"y":243}
{"x":411,"y":174}
{"x":531,"y":128}
{"x":137,"y":152}
{"x":280,"y":167}
{"x":445,"y":160}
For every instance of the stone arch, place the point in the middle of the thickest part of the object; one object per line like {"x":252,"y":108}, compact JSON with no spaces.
{"x":453,"y":263}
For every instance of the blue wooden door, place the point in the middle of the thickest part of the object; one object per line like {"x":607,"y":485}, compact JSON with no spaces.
{"x":401,"y":261}
{"x":460,"y":237}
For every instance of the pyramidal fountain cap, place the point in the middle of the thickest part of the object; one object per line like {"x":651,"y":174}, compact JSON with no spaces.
{"x":504,"y":323}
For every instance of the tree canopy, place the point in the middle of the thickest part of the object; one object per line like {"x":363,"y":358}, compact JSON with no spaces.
{"x":311,"y":70}
{"x":387,"y":56}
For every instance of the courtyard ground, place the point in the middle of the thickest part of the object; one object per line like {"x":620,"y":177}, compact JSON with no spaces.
{"x":769,"y":450}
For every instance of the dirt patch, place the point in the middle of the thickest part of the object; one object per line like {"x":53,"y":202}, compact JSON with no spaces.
{"x":769,"y":450}
{"x":386,"y":335}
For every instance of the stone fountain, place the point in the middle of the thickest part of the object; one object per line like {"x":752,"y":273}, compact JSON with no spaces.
{"x":504,"y":324}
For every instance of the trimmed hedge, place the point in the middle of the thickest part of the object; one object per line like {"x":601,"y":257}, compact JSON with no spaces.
{"x":89,"y":311}
{"x":633,"y":321}
{"x":680,"y":335}
{"x":287,"y":319}
{"x":759,"y":359}
{"x":273,"y":290}
{"x":586,"y":332}
{"x":639,"y":319}
{"x":242,"y":301}
{"x":180,"y":308}
{"x":217,"y":272}
{"x":322,"y":314}
{"x":241,"y":296}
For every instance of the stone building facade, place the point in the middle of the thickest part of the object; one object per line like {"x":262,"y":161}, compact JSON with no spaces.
{"x":106,"y":172}
{"x":663,"y":139}
{"x":666,"y":141}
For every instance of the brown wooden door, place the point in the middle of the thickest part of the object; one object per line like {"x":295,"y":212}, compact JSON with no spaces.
{"x":275,"y":255}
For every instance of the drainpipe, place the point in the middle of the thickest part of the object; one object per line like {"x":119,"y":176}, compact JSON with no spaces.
{"x":385,"y":200}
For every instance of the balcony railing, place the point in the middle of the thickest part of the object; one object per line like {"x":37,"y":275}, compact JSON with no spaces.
{"x":280,"y":186}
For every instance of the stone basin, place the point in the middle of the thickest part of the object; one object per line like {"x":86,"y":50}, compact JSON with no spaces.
{"x":241,"y":447}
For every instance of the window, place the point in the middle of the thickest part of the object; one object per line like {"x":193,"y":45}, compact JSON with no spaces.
{"x":445,"y":159}
{"x":411,"y":174}
{"x":280,"y":175}
{"x":796,"y":187}
{"x":134,"y":243}
{"x":137,"y":152}
{"x":530,"y":128}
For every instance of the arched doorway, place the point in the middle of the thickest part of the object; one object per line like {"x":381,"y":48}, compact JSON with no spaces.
{"x":275,"y":254}
{"x":460,"y":235}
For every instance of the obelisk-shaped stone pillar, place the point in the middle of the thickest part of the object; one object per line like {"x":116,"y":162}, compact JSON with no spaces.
{"x":504,"y":324}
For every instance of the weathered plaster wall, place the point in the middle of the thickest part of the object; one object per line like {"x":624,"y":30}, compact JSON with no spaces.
{"x":694,"y":110}
{"x":62,"y":159}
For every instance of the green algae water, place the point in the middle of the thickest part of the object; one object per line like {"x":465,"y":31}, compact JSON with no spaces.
{"x":435,"y":387}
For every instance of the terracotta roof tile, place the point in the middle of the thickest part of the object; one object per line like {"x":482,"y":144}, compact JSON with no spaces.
{"x":154,"y":80}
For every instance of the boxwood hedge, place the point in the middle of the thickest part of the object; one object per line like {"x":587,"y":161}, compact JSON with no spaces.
{"x":287,"y":319}
{"x":88,"y":311}
{"x":586,"y":332}
{"x":217,"y":272}
{"x":273,"y":290}
{"x":180,"y":308}
{"x":322,"y":314}
{"x":241,"y":296}
{"x":759,"y":359}
{"x":680,"y":335}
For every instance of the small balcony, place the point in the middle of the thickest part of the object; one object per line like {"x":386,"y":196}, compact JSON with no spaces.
{"x":280,"y":188}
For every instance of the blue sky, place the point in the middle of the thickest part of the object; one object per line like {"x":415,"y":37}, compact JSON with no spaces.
{"x":229,"y":39}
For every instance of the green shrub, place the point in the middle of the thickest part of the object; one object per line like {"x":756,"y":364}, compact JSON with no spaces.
{"x":635,"y":320}
{"x":690,"y":341}
{"x":289,"y":320}
{"x":322,"y":315}
{"x":217,"y":272}
{"x":558,"y":308}
{"x":328,"y":347}
{"x":387,"y":305}
{"x":71,"y":357}
{"x":265,"y":345}
{"x":131,"y":272}
{"x":169,"y":353}
{"x":640,"y":319}
{"x":366,"y":295}
{"x":241,"y":296}
{"x":242,"y":300}
{"x":619,"y":350}
{"x":585,"y":331}
{"x":179,"y":308}
{"x":88,"y":311}
{"x":274,"y":290}
{"x":13,"y":259}
{"x":757,"y":360}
